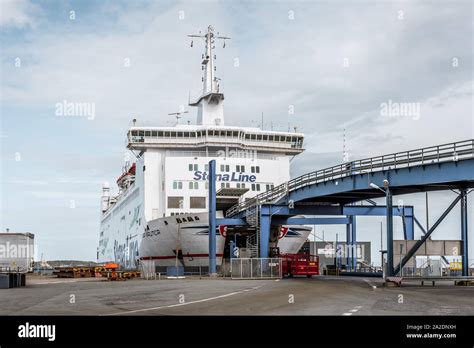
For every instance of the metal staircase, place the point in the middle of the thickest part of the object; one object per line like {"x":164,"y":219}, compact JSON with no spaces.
{"x":253,"y":216}
{"x":252,"y":245}
{"x":253,"y":219}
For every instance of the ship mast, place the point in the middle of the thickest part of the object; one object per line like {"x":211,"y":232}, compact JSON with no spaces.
{"x":210,"y":103}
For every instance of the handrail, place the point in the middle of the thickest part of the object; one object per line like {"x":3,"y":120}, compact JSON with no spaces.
{"x":434,"y":154}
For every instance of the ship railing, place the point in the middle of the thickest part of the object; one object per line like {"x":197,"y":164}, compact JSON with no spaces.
{"x":206,"y":136}
{"x":225,"y":141}
{"x":434,"y":154}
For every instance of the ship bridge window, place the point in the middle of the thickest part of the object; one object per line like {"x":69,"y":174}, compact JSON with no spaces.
{"x":235,"y":133}
{"x":265,"y":137}
{"x":160,"y":133}
{"x":154,"y":134}
{"x":134,"y":133}
{"x":147,"y":133}
{"x":253,"y":136}
{"x":175,"y":202}
{"x":271,"y":137}
{"x":197,"y":203}
{"x":259,"y":137}
{"x":141,"y":133}
{"x":247,"y":136}
{"x":229,"y":133}
{"x":167,"y":134}
{"x":180,"y":134}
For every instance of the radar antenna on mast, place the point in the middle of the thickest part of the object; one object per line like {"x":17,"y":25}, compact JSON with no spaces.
{"x":208,"y":58}
{"x":178,"y":115}
{"x":210,"y":103}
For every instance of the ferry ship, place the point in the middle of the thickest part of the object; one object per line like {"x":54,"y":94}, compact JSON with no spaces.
{"x":160,"y":212}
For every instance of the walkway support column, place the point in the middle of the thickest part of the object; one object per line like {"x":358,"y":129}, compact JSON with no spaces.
{"x":212,"y":218}
{"x":348,"y":241}
{"x":464,"y":234}
{"x":389,"y":232}
{"x":409,"y":227}
{"x":354,"y":243}
{"x":264,"y":234}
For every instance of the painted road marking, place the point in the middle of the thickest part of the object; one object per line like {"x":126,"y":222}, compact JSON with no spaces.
{"x":62,"y":281}
{"x":186,"y":303}
{"x":352,"y":311}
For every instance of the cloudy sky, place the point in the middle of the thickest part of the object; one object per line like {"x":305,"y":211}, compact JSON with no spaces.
{"x":333,"y":62}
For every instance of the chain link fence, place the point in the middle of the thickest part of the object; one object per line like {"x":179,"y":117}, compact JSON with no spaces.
{"x":437,"y":268}
{"x":252,"y":268}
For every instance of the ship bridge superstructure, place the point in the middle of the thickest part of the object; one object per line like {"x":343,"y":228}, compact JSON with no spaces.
{"x":206,"y":137}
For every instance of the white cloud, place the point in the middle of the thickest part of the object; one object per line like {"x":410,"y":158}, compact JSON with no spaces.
{"x":18,"y":13}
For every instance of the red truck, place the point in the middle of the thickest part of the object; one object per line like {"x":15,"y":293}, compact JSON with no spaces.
{"x":300,"y":264}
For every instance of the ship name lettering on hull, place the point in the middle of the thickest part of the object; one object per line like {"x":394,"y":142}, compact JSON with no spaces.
{"x":238,"y":177}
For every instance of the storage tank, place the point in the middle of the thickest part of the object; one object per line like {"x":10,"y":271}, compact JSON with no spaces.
{"x":17,"y":252}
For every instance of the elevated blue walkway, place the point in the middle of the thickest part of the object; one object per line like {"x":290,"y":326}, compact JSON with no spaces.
{"x":334,"y":190}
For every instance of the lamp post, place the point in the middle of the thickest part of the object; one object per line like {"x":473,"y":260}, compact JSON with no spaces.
{"x":389,"y":205}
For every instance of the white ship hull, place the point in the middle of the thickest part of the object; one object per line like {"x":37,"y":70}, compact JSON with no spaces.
{"x":191,"y":238}
{"x":169,"y":243}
